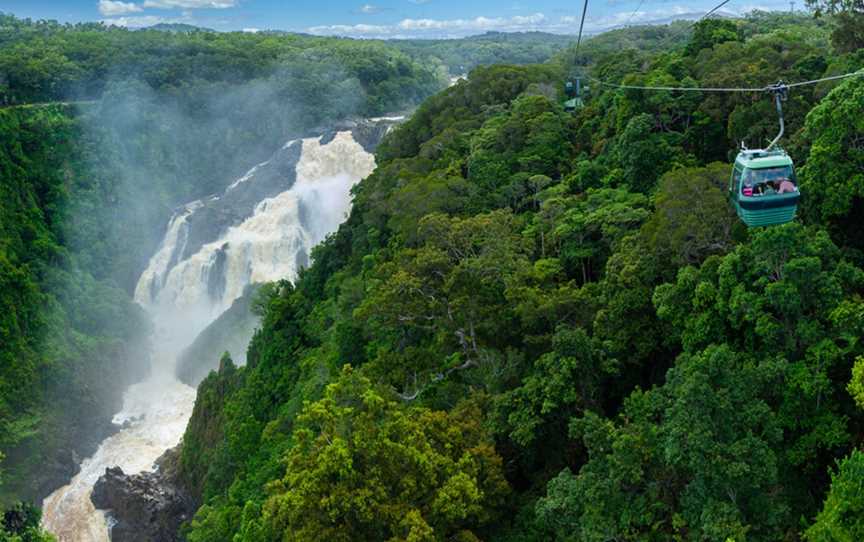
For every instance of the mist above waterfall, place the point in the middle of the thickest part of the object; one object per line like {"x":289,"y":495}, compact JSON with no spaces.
{"x":154,"y":148}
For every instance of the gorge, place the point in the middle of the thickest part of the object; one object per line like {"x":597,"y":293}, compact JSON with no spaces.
{"x":262,"y":228}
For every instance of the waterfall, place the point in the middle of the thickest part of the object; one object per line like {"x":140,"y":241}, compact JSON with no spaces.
{"x":261,"y":228}
{"x":271,"y":244}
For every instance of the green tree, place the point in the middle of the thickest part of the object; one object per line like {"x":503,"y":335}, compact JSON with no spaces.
{"x":564,"y":383}
{"x":710,"y":32}
{"x":832,"y":177}
{"x":692,"y":218}
{"x":842,"y":516}
{"x":442,"y":307}
{"x":645,"y":154}
{"x":366,"y":468}
{"x":20,"y":523}
{"x":693,"y":459}
{"x":787,"y":293}
{"x":589,"y":229}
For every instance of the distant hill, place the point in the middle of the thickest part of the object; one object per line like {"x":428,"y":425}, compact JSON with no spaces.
{"x":464,"y":54}
{"x":178,"y":28}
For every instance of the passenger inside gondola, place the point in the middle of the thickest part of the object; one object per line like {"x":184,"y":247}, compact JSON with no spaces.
{"x":769,"y":182}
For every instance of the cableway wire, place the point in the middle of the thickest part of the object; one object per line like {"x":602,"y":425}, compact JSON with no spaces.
{"x":630,"y":18}
{"x":767,"y":88}
{"x":581,"y":25}
{"x":697,"y":21}
{"x":859,"y":73}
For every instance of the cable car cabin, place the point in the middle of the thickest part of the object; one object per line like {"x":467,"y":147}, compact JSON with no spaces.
{"x":572,"y":105}
{"x":764,"y":188}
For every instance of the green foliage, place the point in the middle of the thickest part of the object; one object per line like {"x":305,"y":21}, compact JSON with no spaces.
{"x":692,"y":218}
{"x":644,"y":155}
{"x":711,"y":32}
{"x":583,"y":231}
{"x":460,"y":56}
{"x":848,"y":36}
{"x":20,"y":523}
{"x":574,"y":289}
{"x":365,"y":468}
{"x":61,"y":331}
{"x":856,"y":384}
{"x":833,"y":176}
{"x":46,"y":61}
{"x":565,"y":382}
{"x":690,"y":460}
{"x":842,"y":518}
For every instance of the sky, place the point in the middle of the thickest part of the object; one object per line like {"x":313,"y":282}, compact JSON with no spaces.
{"x":382,"y":18}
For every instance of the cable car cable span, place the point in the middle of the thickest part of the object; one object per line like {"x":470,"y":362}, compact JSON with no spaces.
{"x":697,"y":21}
{"x":630,"y":18}
{"x":581,"y":25}
{"x":832,"y":78}
{"x":767,"y":88}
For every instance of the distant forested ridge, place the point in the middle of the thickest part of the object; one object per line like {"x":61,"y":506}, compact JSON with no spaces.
{"x":42,"y":61}
{"x":460,"y":56}
{"x":544,"y":326}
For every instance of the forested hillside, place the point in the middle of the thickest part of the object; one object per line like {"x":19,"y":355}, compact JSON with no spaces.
{"x":544,"y":326}
{"x":103,"y":132}
{"x":69,"y":343}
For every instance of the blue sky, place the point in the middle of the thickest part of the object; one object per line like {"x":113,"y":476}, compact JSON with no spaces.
{"x":379,"y":18}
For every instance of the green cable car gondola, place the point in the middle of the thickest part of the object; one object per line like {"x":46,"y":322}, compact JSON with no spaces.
{"x":574,"y":90}
{"x":763,"y":188}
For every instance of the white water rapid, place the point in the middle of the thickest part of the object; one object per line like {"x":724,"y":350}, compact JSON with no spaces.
{"x":272,"y":243}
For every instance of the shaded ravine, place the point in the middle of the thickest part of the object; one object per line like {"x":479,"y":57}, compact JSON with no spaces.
{"x":262,"y":228}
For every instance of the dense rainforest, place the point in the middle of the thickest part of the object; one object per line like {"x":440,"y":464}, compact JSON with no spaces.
{"x":534,"y":325}
{"x":103,"y":132}
{"x":544,"y":326}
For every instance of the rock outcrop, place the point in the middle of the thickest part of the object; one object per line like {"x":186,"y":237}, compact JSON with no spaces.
{"x":143,"y":507}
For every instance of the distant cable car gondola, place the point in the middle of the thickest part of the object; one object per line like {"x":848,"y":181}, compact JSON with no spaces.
{"x":763,"y":187}
{"x":575,"y":90}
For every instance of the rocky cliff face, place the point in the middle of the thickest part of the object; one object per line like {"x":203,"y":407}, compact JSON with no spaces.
{"x":144,"y":507}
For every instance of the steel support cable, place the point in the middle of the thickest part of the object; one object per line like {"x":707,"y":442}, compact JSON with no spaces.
{"x":767,"y":88}
{"x":859,"y":73}
{"x":697,"y":21}
{"x":581,"y":25}
{"x":630,"y":18}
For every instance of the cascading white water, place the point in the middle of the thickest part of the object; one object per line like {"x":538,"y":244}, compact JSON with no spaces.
{"x":270,"y":244}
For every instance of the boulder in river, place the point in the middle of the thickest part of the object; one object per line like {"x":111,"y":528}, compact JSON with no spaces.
{"x":142,"y":507}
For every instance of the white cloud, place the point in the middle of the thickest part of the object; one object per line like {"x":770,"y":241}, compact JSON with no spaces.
{"x":370,"y":9}
{"x":190,"y":4}
{"x":135,"y":22}
{"x":566,"y":24}
{"x":251,"y":30}
{"x":143,"y":21}
{"x":445,"y":28}
{"x":111,"y":8}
